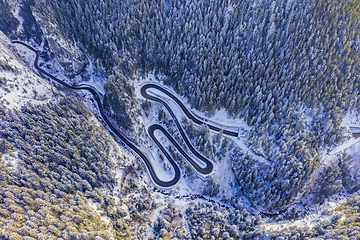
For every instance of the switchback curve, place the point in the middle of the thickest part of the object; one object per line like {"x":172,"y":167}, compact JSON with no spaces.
{"x":139,"y":153}
{"x":188,"y":114}
{"x":209,"y":166}
{"x":207,"y":170}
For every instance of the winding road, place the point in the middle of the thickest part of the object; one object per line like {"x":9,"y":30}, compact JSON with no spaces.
{"x":188,"y":114}
{"x":209,"y":166}
{"x":207,"y":170}
{"x":135,"y":149}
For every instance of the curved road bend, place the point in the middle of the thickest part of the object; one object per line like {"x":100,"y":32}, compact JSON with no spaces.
{"x":209,"y":166}
{"x":207,"y":170}
{"x":181,"y":105}
{"x":156,"y":180}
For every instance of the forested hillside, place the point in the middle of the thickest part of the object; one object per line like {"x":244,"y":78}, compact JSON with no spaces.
{"x":59,"y":168}
{"x":289,"y":68}
{"x":48,"y":171}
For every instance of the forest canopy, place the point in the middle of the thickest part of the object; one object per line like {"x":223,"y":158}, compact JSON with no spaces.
{"x":288,"y":68}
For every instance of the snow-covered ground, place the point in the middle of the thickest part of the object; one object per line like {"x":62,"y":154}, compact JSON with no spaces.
{"x":22,"y":85}
{"x":352,"y":121}
{"x":96,"y":207}
{"x":352,"y":118}
{"x":347,"y":145}
{"x":163,"y":168}
{"x":165,"y":142}
{"x":11,"y":160}
{"x":351,"y":145}
{"x":41,"y":91}
{"x":241,"y":143}
{"x":92,"y":78}
{"x":321,"y":214}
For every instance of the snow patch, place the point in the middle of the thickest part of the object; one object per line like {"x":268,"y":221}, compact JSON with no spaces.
{"x":11,"y":160}
{"x":159,"y":164}
{"x":96,"y":208}
{"x":241,"y":143}
{"x":346,"y":145}
{"x":352,"y":118}
{"x":21,"y":84}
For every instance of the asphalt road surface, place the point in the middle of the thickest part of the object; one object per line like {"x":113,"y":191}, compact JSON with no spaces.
{"x":164,"y":184}
{"x":183,"y":108}
{"x":135,"y":149}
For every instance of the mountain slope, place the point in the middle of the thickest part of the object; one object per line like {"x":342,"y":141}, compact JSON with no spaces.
{"x":19,"y":83}
{"x":288,"y":69}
